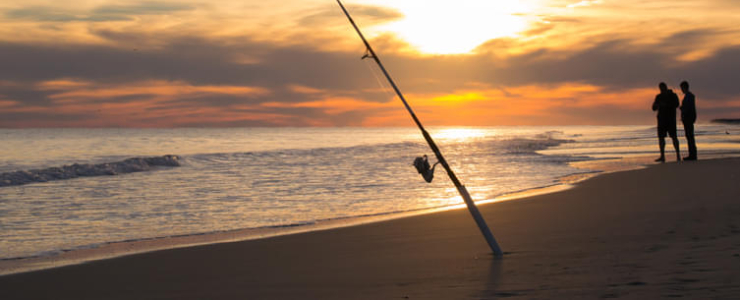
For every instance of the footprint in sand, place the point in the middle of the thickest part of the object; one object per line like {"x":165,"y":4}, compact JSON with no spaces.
{"x":506,"y":294}
{"x":608,"y":296}
{"x":686,"y":280}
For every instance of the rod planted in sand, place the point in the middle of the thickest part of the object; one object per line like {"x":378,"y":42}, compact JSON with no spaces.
{"x":460,"y":188}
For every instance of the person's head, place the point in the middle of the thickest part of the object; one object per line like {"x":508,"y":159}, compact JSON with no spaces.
{"x":684,"y":86}
{"x":663,"y":87}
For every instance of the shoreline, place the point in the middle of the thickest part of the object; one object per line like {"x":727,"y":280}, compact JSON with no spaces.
{"x":641,"y":234}
{"x":117,"y":249}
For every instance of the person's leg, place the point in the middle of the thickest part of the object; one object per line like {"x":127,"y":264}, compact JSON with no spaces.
{"x":689,"y":130}
{"x":661,"y":143}
{"x":674,"y":137}
{"x":675,"y":146}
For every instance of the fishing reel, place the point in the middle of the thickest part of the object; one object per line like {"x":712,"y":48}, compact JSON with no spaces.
{"x":422,"y":166}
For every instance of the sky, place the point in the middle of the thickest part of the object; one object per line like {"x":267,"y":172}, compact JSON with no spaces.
{"x":101,"y":63}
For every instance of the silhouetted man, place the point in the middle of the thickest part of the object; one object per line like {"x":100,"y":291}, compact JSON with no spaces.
{"x":666,"y":103}
{"x":688,"y":117}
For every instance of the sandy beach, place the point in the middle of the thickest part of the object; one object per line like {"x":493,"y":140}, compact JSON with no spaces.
{"x":667,"y":231}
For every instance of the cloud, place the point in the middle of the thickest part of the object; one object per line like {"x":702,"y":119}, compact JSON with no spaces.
{"x":198,"y":81}
{"x":194,"y":60}
{"x":105,"y":13}
{"x":619,"y":64}
{"x":147,"y":103}
{"x":585,"y":3}
{"x":371,"y":15}
{"x":142,"y":8}
{"x":48,"y":14}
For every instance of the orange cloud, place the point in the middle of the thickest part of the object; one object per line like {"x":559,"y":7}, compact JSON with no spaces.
{"x":7,"y":103}
{"x":522,"y":105}
{"x":63,"y":84}
{"x":146,"y":103}
{"x":300,"y":89}
{"x":76,"y":92}
{"x":159,"y":104}
{"x":334,"y":105}
{"x":486,"y":106}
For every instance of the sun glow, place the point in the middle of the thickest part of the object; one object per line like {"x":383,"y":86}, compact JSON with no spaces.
{"x":460,"y":133}
{"x":456,"y":27}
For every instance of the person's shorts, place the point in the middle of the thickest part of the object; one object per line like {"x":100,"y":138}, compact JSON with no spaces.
{"x":666,"y":128}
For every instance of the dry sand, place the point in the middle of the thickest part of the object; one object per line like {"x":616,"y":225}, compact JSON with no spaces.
{"x":671,"y":230}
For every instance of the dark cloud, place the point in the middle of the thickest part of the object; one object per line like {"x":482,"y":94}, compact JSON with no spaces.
{"x":689,"y":36}
{"x":45,"y":14}
{"x":192,"y":60}
{"x":22,"y":119}
{"x":27,"y":93}
{"x":615,"y":65}
{"x":198,"y":101}
{"x":142,"y":8}
{"x":226,"y":124}
{"x":611,"y":63}
{"x":607,"y":114}
{"x":100,"y":14}
{"x":619,"y":64}
{"x":708,"y":114}
{"x":716,"y":76}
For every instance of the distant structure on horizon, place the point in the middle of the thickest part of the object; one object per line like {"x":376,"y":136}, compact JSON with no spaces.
{"x":727,"y":121}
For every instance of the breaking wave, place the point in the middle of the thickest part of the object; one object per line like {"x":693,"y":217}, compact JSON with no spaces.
{"x":131,"y":165}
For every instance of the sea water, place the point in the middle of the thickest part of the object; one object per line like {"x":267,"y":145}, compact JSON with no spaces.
{"x":242,"y":178}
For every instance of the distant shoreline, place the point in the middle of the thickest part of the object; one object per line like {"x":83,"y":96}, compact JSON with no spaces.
{"x":727,"y":121}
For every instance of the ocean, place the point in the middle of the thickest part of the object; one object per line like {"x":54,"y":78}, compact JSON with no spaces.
{"x":242,"y":179}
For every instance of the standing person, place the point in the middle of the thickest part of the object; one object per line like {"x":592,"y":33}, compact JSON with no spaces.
{"x":688,"y":117}
{"x":666,"y":103}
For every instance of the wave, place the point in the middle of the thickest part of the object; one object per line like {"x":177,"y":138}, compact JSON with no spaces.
{"x":511,"y":145}
{"x":131,"y":165}
{"x":523,"y":146}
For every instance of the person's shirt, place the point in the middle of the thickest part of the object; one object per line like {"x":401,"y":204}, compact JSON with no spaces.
{"x":688,"y":108}
{"x":666,"y":104}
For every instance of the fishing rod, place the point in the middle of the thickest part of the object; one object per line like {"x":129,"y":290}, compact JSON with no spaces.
{"x":460,"y":187}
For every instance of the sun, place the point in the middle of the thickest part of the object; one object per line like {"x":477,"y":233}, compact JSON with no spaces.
{"x":455,"y":26}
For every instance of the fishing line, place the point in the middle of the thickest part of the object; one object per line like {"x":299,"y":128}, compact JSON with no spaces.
{"x":375,"y":70}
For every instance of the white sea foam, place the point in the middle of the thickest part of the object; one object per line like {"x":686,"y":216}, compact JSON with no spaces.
{"x":131,"y":165}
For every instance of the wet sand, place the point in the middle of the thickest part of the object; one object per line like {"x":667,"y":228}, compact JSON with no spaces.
{"x":667,"y":231}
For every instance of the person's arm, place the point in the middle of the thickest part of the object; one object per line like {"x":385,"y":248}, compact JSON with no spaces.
{"x":676,"y":104}
{"x":655,"y":104}
{"x":691,"y":109}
